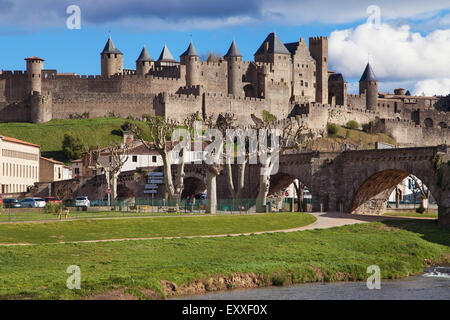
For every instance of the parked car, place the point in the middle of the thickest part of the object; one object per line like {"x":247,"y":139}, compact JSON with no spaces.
{"x":100,"y":202}
{"x":53,"y":200}
{"x":33,"y":203}
{"x":82,"y":202}
{"x":11,"y":203}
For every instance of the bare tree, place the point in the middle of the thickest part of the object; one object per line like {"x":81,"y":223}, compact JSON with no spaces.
{"x":111,"y":161}
{"x":161,"y":131}
{"x":419,"y":186}
{"x":229,"y":131}
{"x":290,"y":138}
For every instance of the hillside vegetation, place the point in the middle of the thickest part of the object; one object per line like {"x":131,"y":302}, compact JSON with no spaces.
{"x":356,"y":139}
{"x":103,"y":131}
{"x":92,"y":132}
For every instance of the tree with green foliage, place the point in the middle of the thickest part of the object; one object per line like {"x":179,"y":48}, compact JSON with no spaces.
{"x":268,"y":117}
{"x":332,"y":129}
{"x":352,"y":124}
{"x":72,"y":147}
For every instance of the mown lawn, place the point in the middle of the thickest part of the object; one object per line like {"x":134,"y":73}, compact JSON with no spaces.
{"x":399,"y":248}
{"x":412,"y":214}
{"x":79,"y":230}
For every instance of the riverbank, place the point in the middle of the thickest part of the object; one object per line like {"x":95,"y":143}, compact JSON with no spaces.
{"x":155,"y":269}
{"x":421,"y":287}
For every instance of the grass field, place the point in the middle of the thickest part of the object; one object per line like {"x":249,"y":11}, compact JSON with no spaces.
{"x":20,"y":215}
{"x":53,"y":232}
{"x":411,"y":214}
{"x":399,"y":248}
{"x":49,"y":136}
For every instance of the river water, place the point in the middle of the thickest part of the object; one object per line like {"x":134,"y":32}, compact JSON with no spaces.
{"x":434,"y":284}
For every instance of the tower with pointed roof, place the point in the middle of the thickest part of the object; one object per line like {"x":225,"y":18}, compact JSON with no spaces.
{"x":166,"y":58}
{"x":144,"y":63}
{"x":35,"y":66}
{"x":318,"y":46}
{"x":234,"y":60}
{"x":190,"y":58}
{"x":111,"y":60}
{"x":368,"y":84}
{"x":272,"y":50}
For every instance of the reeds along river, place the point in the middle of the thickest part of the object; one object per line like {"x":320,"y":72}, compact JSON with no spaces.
{"x":434,"y":284}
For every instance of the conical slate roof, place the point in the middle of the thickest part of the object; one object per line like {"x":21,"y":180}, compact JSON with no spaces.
{"x":233,"y":51}
{"x":110,"y":48}
{"x":190,"y":51}
{"x":165,"y":55}
{"x":211,"y":57}
{"x":368,"y":74}
{"x":275,"y":45}
{"x":144,"y":56}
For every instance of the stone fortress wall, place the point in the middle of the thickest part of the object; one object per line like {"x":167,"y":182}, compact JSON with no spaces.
{"x":289,"y":79}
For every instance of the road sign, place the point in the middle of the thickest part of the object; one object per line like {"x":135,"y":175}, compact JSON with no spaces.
{"x":155,"y":174}
{"x":286,"y":193}
{"x":151,"y":186}
{"x":155,"y":181}
{"x":150,"y":191}
{"x":108,"y":191}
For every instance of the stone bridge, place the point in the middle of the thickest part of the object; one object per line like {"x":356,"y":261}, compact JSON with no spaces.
{"x":354,"y":181}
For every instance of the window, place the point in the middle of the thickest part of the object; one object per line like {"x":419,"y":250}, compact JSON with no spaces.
{"x":77,"y":170}
{"x":134,"y":158}
{"x":154,"y":159}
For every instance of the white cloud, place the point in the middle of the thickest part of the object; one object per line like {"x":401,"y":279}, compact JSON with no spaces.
{"x":396,"y":54}
{"x":433,"y":87}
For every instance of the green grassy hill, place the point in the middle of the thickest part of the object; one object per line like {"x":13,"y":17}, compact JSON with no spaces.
{"x":49,"y":136}
{"x":353,"y":137}
{"x":103,"y":131}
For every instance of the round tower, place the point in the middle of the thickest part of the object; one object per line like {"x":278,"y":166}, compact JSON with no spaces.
{"x":234,"y":59}
{"x":35,"y":66}
{"x":111,"y":60}
{"x":368,"y":84}
{"x":191,"y":60}
{"x":143,"y":63}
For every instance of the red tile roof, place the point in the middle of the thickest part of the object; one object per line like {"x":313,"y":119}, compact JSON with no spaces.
{"x":51,"y":160}
{"x":9,"y":139}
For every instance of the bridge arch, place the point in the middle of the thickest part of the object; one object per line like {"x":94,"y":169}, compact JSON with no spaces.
{"x":372,"y":194}
{"x":194,"y":183}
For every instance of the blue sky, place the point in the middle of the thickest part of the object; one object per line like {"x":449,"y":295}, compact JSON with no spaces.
{"x":416,"y":59}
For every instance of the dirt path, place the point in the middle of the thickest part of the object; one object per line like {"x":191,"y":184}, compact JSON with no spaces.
{"x":324,"y":220}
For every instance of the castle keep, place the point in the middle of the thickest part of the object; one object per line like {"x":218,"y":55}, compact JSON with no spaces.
{"x":286,"y":79}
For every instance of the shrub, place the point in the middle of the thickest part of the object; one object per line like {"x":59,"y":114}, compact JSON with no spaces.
{"x":332,"y":129}
{"x":268,"y":117}
{"x":52,"y":207}
{"x":420,"y":209}
{"x":352,"y":124}
{"x":367,"y":127}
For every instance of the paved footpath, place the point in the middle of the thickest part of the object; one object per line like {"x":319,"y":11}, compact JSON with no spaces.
{"x":324,"y":220}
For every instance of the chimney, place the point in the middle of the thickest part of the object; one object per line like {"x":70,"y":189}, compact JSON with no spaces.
{"x":127,"y":137}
